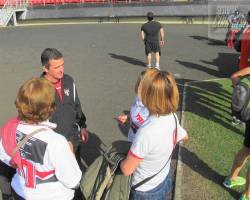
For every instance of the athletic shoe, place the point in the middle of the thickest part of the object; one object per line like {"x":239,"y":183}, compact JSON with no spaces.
{"x":229,"y":183}
{"x":235,"y":121}
{"x":149,"y":65}
{"x":158,"y":67}
{"x":243,"y":197}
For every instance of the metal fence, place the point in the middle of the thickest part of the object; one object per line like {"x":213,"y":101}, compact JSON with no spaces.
{"x":49,"y":2}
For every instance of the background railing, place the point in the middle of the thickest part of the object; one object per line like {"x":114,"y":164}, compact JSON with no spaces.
{"x":9,"y":9}
{"x":6,"y":12}
{"x":13,"y":3}
{"x":49,"y":2}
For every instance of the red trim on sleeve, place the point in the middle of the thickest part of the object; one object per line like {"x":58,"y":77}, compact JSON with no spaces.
{"x":132,"y":154}
{"x":44,"y":174}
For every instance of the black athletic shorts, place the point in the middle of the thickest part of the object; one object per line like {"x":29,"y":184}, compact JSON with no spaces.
{"x":152,"y":47}
{"x":247,"y":136}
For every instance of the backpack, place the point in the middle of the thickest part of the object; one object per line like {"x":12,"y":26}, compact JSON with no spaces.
{"x":240,"y":100}
{"x":103,"y":179}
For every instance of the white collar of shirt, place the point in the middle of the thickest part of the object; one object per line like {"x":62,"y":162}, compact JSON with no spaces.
{"x":45,"y":123}
{"x":138,"y":101}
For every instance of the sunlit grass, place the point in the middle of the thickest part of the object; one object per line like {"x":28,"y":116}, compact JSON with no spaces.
{"x":214,"y":140}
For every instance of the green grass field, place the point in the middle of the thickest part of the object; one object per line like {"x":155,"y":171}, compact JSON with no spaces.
{"x":214,"y":141}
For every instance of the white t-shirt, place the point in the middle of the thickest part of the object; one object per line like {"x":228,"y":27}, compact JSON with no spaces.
{"x":154,"y":143}
{"x":138,"y":115}
{"x":49,"y":168}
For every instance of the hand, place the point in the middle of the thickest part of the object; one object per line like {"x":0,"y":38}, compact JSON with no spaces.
{"x":235,"y":80}
{"x":162,"y":42}
{"x":84,"y":135}
{"x":122,"y":119}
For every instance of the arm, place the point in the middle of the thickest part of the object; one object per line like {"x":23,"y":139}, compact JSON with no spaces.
{"x":142,"y":35}
{"x":136,"y":154}
{"x":122,"y":119}
{"x":229,"y":19}
{"x":129,"y":164}
{"x":84,"y":135}
{"x":185,"y":139}
{"x":162,"y":34}
{"x":67,"y":170}
{"x":81,"y":119}
{"x":237,"y":75}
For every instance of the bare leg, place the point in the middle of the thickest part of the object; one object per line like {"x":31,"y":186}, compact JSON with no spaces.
{"x":149,"y":59}
{"x":157,"y":57}
{"x":248,"y":184}
{"x":239,"y":162}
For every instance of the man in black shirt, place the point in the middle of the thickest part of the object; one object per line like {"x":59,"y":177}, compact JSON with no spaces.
{"x":70,"y":120}
{"x":150,"y":32}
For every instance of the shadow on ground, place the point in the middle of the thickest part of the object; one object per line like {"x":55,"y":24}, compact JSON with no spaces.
{"x":130,"y":60}
{"x":91,"y":150}
{"x":210,"y":101}
{"x":196,"y":164}
{"x":222,"y":67}
{"x":209,"y":41}
{"x":199,"y":104}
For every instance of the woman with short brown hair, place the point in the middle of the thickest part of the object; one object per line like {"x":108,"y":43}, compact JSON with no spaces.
{"x":159,"y":93}
{"x":35,"y":100}
{"x":45,"y":166}
{"x":151,"y":150}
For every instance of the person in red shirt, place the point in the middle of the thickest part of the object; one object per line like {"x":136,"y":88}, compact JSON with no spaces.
{"x":245,"y":46}
{"x":233,"y":179}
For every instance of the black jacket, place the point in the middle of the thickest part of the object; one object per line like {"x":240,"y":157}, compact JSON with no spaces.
{"x":68,"y":114}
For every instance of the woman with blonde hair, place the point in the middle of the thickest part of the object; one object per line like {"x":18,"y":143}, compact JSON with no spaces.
{"x":150,"y":154}
{"x":45,"y":166}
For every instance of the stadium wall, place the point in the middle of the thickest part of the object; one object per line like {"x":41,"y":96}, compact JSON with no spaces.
{"x":113,"y":11}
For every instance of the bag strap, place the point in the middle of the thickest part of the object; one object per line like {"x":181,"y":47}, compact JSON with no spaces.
{"x":149,"y":178}
{"x":24,"y":140}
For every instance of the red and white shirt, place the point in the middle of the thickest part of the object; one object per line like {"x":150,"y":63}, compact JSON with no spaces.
{"x":154,"y":143}
{"x":49,"y":168}
{"x":58,"y":87}
{"x":138,"y":115}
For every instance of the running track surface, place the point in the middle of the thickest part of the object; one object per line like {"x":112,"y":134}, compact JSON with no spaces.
{"x":105,"y":60}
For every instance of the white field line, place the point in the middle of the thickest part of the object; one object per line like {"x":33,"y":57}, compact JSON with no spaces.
{"x":179,"y":168}
{"x":96,"y":22}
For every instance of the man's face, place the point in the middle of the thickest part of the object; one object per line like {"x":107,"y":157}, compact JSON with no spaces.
{"x":56,"y":69}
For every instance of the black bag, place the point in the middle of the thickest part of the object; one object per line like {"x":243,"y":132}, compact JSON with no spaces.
{"x":241,"y":100}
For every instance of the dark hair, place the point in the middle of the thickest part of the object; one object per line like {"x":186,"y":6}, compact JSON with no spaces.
{"x":236,"y":12}
{"x":248,"y":17}
{"x":49,"y":54}
{"x":150,"y":16}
